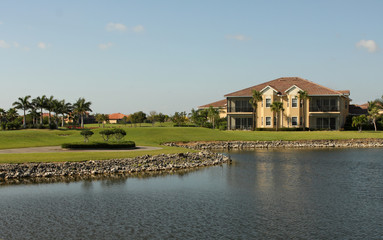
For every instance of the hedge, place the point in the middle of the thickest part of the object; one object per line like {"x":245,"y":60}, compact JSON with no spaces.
{"x":100,"y":145}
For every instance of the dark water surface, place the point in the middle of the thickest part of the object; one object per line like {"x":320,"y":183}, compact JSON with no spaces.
{"x":277,"y":194}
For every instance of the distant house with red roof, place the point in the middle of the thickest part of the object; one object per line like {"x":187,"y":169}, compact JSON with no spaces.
{"x":116,"y":117}
{"x":324,"y":109}
{"x":221,"y":105}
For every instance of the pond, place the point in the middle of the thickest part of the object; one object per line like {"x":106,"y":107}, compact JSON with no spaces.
{"x":309,"y":194}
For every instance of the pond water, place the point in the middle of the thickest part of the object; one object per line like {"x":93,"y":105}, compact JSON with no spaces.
{"x":278,"y":194}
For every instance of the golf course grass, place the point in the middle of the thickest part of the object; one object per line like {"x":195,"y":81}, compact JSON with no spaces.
{"x":146,"y":136}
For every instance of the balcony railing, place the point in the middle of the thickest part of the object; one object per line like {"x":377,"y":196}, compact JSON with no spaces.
{"x":240,"y":109}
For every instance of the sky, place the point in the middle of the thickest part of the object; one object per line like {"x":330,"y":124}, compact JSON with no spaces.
{"x":167,"y":56}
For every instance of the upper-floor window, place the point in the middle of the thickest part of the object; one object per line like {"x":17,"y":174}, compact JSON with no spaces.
{"x":294,"y":102}
{"x":241,"y":106}
{"x":324,"y":104}
{"x":268,"y":102}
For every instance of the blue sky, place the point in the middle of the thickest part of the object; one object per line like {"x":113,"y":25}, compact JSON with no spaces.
{"x":127,"y":56}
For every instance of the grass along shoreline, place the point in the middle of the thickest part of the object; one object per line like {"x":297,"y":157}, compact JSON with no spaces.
{"x":149,"y":136}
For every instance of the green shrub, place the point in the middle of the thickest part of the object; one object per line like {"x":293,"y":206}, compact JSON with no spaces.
{"x":119,"y":133}
{"x":52,"y":126}
{"x":106,"y":134}
{"x":14,"y":125}
{"x":86,"y":134}
{"x":100,"y":145}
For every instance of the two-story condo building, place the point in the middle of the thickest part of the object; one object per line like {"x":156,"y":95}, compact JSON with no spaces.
{"x":325,"y":108}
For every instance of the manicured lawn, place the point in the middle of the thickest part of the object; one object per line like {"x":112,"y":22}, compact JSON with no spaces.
{"x":147,"y":136}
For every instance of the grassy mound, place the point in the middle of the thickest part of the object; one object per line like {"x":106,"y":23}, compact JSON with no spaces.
{"x":100,"y":145}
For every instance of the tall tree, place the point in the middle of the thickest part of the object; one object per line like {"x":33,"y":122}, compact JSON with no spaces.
{"x":2,"y":116}
{"x":24,"y":104}
{"x":50,"y":105}
{"x":359,"y":121}
{"x":152,"y":117}
{"x":256,"y":97}
{"x":65,"y":109}
{"x":161,"y":118}
{"x":277,"y":107}
{"x":303,"y":96}
{"x":213,"y":115}
{"x":373,"y":112}
{"x":40,"y":102}
{"x":81,"y":107}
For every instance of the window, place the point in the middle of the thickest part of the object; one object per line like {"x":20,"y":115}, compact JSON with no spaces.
{"x":268,"y":102}
{"x":275,"y":121}
{"x":242,"y":106}
{"x":294,"y":121}
{"x":345,"y":105}
{"x":268,"y":121}
{"x":262,"y":120}
{"x":301,"y":121}
{"x":243,"y":123}
{"x":294,"y":102}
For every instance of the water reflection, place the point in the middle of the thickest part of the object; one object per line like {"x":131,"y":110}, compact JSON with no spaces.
{"x":111,"y":179}
{"x":264,"y":194}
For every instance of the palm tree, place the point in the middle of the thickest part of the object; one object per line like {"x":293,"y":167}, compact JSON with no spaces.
{"x":277,"y":107}
{"x":303,"y":96}
{"x":34,"y":114}
{"x":81,"y":107}
{"x":56,"y":108}
{"x":257,"y":96}
{"x":24,"y":104}
{"x":212,"y":114}
{"x":65,"y":108}
{"x":11,"y":114}
{"x":40,"y":102}
{"x":50,"y":107}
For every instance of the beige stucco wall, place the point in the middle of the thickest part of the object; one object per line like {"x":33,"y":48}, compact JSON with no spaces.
{"x":285,"y":118}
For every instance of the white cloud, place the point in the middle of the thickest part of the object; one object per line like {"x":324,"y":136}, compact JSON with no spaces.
{"x":42,"y":45}
{"x":138,"y":28}
{"x":238,"y":37}
{"x":1,"y":22}
{"x":116,"y":27}
{"x":16,"y":44}
{"x":370,"y":45}
{"x":104,"y":46}
{"x":26,"y":49}
{"x":4,"y":44}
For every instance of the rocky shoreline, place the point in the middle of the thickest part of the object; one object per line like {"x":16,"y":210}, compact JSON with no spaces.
{"x":143,"y":164}
{"x":226,"y":145}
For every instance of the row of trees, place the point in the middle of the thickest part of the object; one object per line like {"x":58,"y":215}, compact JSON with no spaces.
{"x":373,"y":115}
{"x":35,"y":107}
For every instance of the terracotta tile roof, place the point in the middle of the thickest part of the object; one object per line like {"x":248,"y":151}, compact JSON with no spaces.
{"x":346,"y":92}
{"x":116,"y":116}
{"x":218,"y":104}
{"x":355,"y":109}
{"x":284,"y":83}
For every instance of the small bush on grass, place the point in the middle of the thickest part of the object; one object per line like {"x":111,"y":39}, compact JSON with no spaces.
{"x":86,"y":134}
{"x":106,"y":134}
{"x":119,"y":133}
{"x":100,"y":145}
